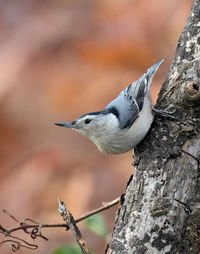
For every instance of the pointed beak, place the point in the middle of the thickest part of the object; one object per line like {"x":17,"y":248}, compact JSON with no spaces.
{"x":66,"y":125}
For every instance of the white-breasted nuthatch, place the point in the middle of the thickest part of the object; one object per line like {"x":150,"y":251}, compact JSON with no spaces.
{"x":124,"y":122}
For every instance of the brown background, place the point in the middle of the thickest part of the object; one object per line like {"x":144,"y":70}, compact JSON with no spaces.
{"x":60,"y":59}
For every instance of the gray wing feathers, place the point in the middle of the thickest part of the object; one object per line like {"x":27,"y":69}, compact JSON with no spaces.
{"x":127,"y":108}
{"x":129,"y":103}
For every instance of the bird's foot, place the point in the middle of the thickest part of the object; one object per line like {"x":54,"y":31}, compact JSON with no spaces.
{"x":165,"y":113}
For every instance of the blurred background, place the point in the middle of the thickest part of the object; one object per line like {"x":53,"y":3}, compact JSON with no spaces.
{"x":58,"y":60}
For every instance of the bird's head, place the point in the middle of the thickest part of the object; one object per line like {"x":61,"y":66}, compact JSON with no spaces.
{"x":91,"y":125}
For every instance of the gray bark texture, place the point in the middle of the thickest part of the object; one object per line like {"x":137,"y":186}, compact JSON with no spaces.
{"x":160,"y":211}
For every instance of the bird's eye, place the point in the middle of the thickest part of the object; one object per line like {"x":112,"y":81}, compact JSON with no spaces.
{"x":87,"y":121}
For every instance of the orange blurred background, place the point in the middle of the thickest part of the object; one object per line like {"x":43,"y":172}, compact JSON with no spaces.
{"x":58,"y":60}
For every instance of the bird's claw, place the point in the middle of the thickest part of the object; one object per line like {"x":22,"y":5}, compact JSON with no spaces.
{"x":165,"y":113}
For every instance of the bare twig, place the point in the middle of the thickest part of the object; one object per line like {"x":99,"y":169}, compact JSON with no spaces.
{"x":17,"y":243}
{"x":36,"y":227}
{"x":105,"y":206}
{"x":70,"y":222}
{"x":24,"y":225}
{"x":10,"y":215}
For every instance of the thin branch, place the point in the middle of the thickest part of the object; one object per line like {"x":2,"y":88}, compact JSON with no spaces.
{"x":70,"y":222}
{"x":105,"y":206}
{"x":24,"y":226}
{"x":34,"y":229}
{"x":17,"y":243}
{"x":10,"y":215}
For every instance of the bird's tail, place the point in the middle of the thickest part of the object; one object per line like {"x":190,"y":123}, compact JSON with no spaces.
{"x":140,"y":87}
{"x":151,"y":72}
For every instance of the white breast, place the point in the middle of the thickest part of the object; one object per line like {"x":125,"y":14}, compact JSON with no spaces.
{"x":113,"y":140}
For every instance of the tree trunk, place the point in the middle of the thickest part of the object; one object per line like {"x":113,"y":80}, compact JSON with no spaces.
{"x":160,"y":212}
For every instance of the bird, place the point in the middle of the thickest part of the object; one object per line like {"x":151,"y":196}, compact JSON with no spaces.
{"x":125,"y":121}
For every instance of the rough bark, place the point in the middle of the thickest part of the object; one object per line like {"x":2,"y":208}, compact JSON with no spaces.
{"x":160,"y":212}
